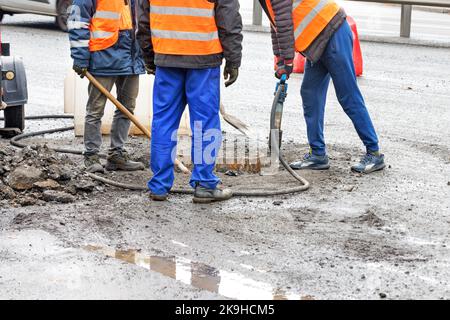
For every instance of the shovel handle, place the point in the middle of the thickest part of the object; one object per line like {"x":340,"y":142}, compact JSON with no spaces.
{"x":129,"y":115}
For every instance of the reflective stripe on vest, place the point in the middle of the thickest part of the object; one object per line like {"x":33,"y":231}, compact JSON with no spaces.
{"x":101,"y":34}
{"x":107,"y":15}
{"x":184,"y":27}
{"x":79,"y":43}
{"x":110,"y":17}
{"x":75,"y":25}
{"x":194,"y":12}
{"x":310,"y":18}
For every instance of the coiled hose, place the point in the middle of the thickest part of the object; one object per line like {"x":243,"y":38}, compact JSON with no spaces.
{"x":16,"y":141}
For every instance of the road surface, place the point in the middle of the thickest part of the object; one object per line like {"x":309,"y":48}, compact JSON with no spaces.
{"x":376,"y":19}
{"x":349,"y":237}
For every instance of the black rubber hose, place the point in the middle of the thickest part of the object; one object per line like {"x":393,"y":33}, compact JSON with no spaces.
{"x":247,"y":193}
{"x":276,"y":144}
{"x":15,"y":141}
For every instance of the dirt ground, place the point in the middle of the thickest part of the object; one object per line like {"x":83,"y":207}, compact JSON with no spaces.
{"x":390,"y":242}
{"x":384,"y":235}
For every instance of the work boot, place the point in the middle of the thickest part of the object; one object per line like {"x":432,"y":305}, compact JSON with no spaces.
{"x":204,"y":195}
{"x":369,"y":163}
{"x":156,"y":197}
{"x":92,"y":164}
{"x":311,"y":162}
{"x":121,"y":161}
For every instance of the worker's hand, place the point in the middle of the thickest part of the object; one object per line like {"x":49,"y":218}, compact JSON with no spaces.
{"x":81,"y":71}
{"x":150,"y":68}
{"x":284,"y":67}
{"x":230,"y":74}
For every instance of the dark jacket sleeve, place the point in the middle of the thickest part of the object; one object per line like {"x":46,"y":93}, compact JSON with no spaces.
{"x":144,"y":33}
{"x":275,"y":44}
{"x":78,"y":23}
{"x":283,"y":39}
{"x":229,"y":24}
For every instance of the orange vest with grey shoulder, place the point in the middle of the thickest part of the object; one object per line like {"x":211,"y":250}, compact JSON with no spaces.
{"x":310,"y":18}
{"x":111,"y":17}
{"x":184,"y":27}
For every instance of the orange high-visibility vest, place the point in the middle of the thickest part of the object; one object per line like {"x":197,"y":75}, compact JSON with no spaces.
{"x":184,"y":27}
{"x":310,"y":18}
{"x":110,"y":18}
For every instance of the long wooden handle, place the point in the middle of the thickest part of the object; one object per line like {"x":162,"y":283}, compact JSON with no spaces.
{"x":130,"y":116}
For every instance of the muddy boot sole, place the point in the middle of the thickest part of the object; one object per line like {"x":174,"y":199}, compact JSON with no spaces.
{"x":157,"y":198}
{"x":315,"y":168}
{"x":116,"y":167}
{"x":372,"y":170}
{"x":95,"y":169}
{"x":208,"y":200}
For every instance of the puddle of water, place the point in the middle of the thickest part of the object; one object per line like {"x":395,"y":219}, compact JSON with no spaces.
{"x":228,"y":284}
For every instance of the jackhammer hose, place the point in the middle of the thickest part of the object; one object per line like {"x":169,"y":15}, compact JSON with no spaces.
{"x":275,"y":143}
{"x":247,"y":193}
{"x":15,"y":141}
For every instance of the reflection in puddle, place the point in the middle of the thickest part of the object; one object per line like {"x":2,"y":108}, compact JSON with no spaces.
{"x":228,"y":284}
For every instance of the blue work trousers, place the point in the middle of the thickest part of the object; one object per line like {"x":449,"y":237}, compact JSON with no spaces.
{"x":336,"y":63}
{"x":174,"y":88}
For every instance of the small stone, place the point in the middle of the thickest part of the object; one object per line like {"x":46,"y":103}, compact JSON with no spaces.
{"x":231,"y":173}
{"x":277,"y":203}
{"x":47,"y":184}
{"x":349,"y":188}
{"x":60,"y":173}
{"x":6,"y":192}
{"x":23,"y":177}
{"x":448,"y":183}
{"x":57,"y":196}
{"x":27,"y":201}
{"x":383,"y":295}
{"x":84,"y":185}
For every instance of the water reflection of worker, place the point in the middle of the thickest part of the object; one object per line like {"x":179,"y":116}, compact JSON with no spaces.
{"x":319,"y":30}
{"x":102,"y":42}
{"x":184,"y":43}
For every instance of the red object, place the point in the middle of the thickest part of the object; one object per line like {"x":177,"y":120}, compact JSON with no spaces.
{"x":299,"y":63}
{"x":357,"y":53}
{"x":299,"y":60}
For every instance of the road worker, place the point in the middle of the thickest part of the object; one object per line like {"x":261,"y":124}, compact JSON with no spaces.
{"x":103,"y":42}
{"x":318,"y":29}
{"x":184,"y":43}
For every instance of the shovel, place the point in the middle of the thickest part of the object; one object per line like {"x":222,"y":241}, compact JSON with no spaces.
{"x":130,"y":116}
{"x":233,"y":121}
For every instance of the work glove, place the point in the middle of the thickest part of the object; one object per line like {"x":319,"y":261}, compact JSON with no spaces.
{"x":150,"y":68}
{"x":230,"y":74}
{"x":284,"y":67}
{"x":81,"y":71}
